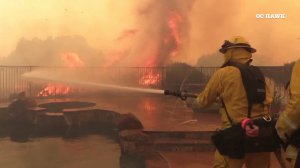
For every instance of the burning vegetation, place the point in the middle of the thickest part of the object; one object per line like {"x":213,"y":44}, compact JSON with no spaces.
{"x":71,"y":60}
{"x":160,"y":35}
{"x":155,"y":41}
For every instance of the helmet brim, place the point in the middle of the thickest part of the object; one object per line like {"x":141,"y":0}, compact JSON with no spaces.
{"x":245,"y":46}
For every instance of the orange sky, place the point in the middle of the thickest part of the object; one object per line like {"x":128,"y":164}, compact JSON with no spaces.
{"x":210,"y":22}
{"x":99,"y":22}
{"x":276,"y":40}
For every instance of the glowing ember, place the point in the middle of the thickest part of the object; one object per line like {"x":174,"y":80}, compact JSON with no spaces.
{"x":150,"y":79}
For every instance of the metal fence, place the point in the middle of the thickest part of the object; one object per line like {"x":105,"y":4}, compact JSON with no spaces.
{"x":12,"y":80}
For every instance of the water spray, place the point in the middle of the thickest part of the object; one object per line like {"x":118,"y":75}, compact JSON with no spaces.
{"x":49,"y":78}
{"x":183,"y":95}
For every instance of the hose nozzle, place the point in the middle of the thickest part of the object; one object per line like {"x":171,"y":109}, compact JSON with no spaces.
{"x":183,"y":95}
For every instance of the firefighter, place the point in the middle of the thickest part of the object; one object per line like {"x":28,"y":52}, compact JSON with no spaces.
{"x":226,"y":83}
{"x":289,"y":121}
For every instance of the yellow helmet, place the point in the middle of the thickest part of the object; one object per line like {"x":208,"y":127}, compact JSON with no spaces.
{"x":236,"y":42}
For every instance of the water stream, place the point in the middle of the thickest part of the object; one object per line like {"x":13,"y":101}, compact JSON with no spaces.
{"x":36,"y":76}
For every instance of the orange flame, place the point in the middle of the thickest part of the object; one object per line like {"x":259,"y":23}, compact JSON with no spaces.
{"x":150,"y":79}
{"x":153,"y":52}
{"x":173,"y":23}
{"x":56,"y":89}
{"x":72,"y":60}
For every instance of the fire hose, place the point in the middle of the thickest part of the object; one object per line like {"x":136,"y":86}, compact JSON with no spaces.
{"x":183,"y":95}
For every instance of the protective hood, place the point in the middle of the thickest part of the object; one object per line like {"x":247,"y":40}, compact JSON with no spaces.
{"x":239,"y":55}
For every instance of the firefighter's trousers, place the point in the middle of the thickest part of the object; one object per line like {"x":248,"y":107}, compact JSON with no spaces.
{"x":255,"y":160}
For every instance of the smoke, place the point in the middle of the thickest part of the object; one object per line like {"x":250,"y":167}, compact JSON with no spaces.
{"x":211,"y":22}
{"x":59,"y":51}
{"x":157,"y":37}
{"x":204,"y":25}
{"x":151,"y":32}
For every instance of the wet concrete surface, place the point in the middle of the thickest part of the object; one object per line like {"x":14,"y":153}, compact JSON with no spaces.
{"x":92,"y":151}
{"x":189,"y":159}
{"x":156,"y":112}
{"x":162,"y":113}
{"x":165,"y":113}
{"x":198,"y":159}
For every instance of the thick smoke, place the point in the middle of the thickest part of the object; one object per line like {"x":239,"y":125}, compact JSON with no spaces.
{"x":158,"y":36}
{"x":138,"y":32}
{"x":204,"y":25}
{"x":54,"y":52}
{"x":211,"y":22}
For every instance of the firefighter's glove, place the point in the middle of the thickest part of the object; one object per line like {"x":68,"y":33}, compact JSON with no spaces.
{"x":251,"y":130}
{"x":291,"y":152}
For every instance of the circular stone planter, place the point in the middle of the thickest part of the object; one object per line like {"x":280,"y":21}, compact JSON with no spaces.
{"x":60,"y":106}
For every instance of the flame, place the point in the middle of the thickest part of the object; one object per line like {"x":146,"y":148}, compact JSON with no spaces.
{"x":154,"y":45}
{"x":72,"y":59}
{"x":173,"y":23}
{"x":157,"y":49}
{"x":150,"y":79}
{"x":175,"y":20}
{"x":56,"y":89}
{"x":171,"y":41}
{"x":160,"y":51}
